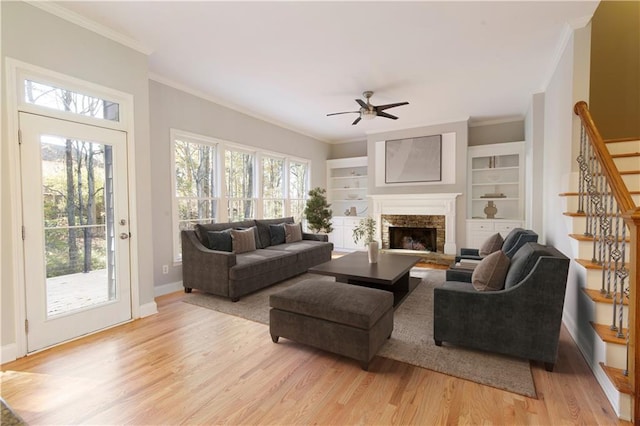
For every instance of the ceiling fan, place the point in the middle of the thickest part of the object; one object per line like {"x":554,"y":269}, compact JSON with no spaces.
{"x":368,"y":111}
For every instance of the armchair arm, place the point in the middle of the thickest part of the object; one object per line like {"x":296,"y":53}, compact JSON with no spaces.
{"x":204,"y":269}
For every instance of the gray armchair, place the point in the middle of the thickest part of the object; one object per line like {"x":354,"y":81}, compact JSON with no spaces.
{"x":512,"y":243}
{"x":522,"y":320}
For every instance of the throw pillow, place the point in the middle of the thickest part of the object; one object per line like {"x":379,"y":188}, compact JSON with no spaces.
{"x":490,"y":273}
{"x":292,"y":232}
{"x":255,"y":232}
{"x":492,"y":244}
{"x":243,"y":240}
{"x":277,"y":234}
{"x":220,"y":240}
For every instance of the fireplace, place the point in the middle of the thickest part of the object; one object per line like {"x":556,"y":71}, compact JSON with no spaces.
{"x":433,"y":210}
{"x":413,"y":232}
{"x":406,"y":238}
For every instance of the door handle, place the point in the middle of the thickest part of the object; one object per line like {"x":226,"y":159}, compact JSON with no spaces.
{"x":124,"y":235}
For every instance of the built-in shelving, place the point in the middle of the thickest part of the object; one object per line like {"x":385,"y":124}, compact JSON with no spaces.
{"x":496,"y":176}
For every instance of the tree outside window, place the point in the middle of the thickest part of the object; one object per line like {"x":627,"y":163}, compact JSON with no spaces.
{"x":298,"y":178}
{"x":239,"y":179}
{"x":272,"y":187}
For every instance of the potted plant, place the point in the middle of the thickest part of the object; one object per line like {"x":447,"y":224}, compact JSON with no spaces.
{"x":366,"y":232}
{"x":317,"y":211}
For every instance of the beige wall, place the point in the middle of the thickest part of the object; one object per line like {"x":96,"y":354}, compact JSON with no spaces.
{"x":484,"y":134}
{"x":348,"y":150}
{"x":39,"y":38}
{"x":614,"y":99}
{"x":172,"y":108}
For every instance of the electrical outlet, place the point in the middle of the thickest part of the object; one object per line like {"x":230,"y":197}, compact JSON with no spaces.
{"x":165,"y":269}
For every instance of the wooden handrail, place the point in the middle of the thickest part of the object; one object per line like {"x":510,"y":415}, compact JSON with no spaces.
{"x":618,"y":187}
{"x":631,"y":215}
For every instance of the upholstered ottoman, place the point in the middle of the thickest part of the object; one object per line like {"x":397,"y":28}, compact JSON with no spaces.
{"x":341,"y":318}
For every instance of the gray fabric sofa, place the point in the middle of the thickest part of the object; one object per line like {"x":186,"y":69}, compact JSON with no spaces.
{"x":523,"y":319}
{"x":234,"y":275}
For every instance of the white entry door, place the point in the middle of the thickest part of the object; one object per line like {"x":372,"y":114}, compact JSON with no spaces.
{"x":76,"y":229}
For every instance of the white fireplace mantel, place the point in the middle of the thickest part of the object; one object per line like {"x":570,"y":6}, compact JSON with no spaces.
{"x":420,"y":204}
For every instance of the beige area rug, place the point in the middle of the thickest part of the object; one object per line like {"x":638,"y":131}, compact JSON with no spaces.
{"x":412,"y":337}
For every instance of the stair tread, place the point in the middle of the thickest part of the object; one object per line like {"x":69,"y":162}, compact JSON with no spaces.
{"x":619,"y":380}
{"x":608,"y":335}
{"x":598,"y":297}
{"x":578,"y":214}
{"x":582,"y":237}
{"x":626,"y":155}
{"x":575,"y":194}
{"x":588,"y":264}
{"x":615,"y":140}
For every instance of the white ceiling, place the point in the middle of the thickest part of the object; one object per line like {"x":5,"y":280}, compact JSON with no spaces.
{"x":291,"y":63}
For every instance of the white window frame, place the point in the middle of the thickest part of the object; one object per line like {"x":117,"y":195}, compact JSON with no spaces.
{"x":221,"y":194}
{"x":196,"y":139}
{"x":285,"y":182}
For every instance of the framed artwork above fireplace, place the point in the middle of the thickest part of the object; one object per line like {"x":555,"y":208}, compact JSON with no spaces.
{"x":413,"y":159}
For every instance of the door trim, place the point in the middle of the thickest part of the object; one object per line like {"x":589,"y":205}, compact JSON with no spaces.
{"x":14,"y":70}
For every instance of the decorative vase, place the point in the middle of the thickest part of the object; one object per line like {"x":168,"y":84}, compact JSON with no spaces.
{"x":372,"y":250}
{"x":490,"y":210}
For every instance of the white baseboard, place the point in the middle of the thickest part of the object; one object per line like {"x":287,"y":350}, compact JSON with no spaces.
{"x":161,"y":290}
{"x":148,"y":309}
{"x":8,"y":353}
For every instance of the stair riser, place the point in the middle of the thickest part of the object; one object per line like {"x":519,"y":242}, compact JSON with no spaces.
{"x":632,"y":182}
{"x":604,"y":314}
{"x":595,"y":279}
{"x":627,"y":163}
{"x":585,"y":251}
{"x":572,"y":202}
{"x":623,"y":147}
{"x":616,"y":355}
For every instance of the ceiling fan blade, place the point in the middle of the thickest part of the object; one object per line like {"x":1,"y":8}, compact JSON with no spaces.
{"x":387,"y":106}
{"x":385,"y":115}
{"x":345,"y":112}
{"x":356,"y":121}
{"x":362,"y":103}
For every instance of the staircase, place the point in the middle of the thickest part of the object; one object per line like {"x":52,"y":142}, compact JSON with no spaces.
{"x":605,"y":218}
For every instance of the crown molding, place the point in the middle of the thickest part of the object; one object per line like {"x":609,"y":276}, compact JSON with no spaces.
{"x":202,"y":95}
{"x":82,"y":21}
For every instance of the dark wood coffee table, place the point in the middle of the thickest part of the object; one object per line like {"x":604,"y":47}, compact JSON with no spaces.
{"x":391,"y":273}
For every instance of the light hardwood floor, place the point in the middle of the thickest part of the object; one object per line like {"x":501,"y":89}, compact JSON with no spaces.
{"x":191,"y":365}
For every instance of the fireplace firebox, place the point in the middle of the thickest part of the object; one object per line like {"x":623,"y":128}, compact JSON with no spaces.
{"x":410,"y":238}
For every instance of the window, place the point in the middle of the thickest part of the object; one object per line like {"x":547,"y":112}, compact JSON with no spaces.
{"x":218,"y":181}
{"x":196,"y":198}
{"x":298,"y":177}
{"x":272,"y":187}
{"x":239,"y":180}
{"x":48,"y":96}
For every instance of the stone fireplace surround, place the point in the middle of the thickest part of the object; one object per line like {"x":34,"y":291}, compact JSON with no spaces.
{"x":443,"y":204}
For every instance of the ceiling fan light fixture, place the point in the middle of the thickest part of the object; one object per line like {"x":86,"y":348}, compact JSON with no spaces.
{"x":366,"y":114}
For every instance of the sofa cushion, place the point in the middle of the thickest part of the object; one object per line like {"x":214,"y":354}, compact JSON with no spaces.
{"x":243,"y":240}
{"x":523,"y":262}
{"x":493,"y":243}
{"x":278,"y":235}
{"x":263,"y":228}
{"x":292,"y":232}
{"x":490,"y":273}
{"x":202,"y":229}
{"x":262,"y":262}
{"x":220,"y":240}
